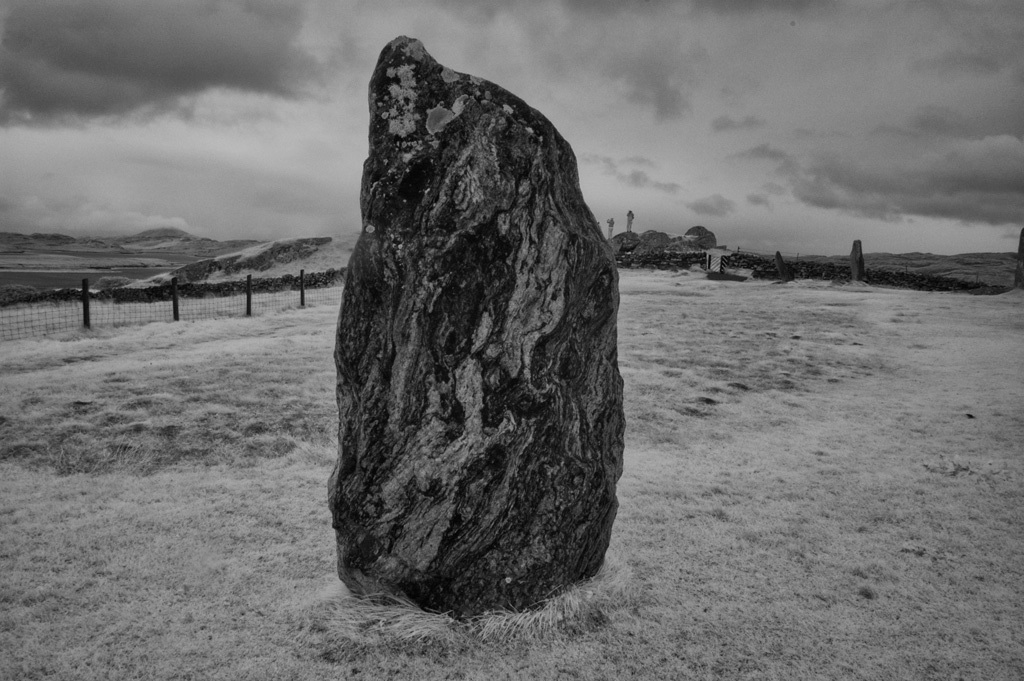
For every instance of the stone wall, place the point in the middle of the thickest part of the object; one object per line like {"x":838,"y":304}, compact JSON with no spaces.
{"x":764,"y":268}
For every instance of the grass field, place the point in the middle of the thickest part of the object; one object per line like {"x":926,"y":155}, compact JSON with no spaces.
{"x":820,"y":483}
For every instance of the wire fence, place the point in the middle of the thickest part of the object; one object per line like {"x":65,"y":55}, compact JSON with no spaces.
{"x":36,"y":319}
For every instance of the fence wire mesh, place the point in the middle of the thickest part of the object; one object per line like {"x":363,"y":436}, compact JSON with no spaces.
{"x":41,"y":319}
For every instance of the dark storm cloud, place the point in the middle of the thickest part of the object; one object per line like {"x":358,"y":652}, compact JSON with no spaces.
{"x":715,"y":205}
{"x":930,"y":121}
{"x":616,"y":6}
{"x":631,"y":177}
{"x":83,"y":58}
{"x":765,"y":152}
{"x":750,"y":6}
{"x":726,"y":124}
{"x":759,"y":200}
{"x":648,"y":62}
{"x":489,"y":8}
{"x":960,"y":62}
{"x":972,"y":181}
{"x":659,"y":76}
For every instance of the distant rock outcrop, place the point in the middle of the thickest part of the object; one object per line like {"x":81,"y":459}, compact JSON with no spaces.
{"x":651,"y":241}
{"x":702,"y":237}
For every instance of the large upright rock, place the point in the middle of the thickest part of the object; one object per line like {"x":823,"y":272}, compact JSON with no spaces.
{"x":1018,"y":273}
{"x":479,"y":397}
{"x":856,"y":262}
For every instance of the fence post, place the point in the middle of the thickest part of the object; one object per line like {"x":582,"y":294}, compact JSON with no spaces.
{"x":85,"y":304}
{"x":174,"y":297}
{"x":248,"y":295}
{"x":302,"y":288}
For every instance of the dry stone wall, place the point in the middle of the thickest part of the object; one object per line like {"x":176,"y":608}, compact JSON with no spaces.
{"x":765,"y":268}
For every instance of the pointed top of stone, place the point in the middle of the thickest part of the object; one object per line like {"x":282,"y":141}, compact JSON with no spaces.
{"x":421,"y":113}
{"x":411,"y":47}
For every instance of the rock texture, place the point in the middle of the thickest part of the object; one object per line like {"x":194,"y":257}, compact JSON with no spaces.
{"x":653,"y":241}
{"x":479,"y":397}
{"x":785,"y":274}
{"x":1018,"y":274}
{"x":856,"y":262}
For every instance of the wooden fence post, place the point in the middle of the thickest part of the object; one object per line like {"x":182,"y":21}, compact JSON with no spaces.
{"x":174,"y":297}
{"x":85,"y":304}
{"x":248,"y":295}
{"x":302,"y":288}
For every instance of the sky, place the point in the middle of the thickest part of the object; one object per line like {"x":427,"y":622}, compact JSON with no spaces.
{"x":790,"y":125}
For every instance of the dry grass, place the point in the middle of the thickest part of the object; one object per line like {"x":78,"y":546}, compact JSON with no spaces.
{"x":820,"y":482}
{"x":343,"y":622}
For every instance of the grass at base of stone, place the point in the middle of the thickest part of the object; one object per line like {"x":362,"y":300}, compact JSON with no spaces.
{"x":344,"y":621}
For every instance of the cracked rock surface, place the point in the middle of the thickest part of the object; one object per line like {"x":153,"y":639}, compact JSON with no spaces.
{"x":479,"y":397}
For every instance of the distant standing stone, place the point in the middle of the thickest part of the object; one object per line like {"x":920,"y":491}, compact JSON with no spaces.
{"x":856,"y":262}
{"x":785,"y":274}
{"x":1018,"y":274}
{"x":479,"y":396}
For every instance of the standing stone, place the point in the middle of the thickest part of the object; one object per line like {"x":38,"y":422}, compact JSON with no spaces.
{"x":1018,"y":274}
{"x":785,"y":274}
{"x":479,"y":396}
{"x":856,"y":262}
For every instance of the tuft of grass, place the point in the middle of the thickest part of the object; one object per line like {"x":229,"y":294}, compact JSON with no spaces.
{"x":84,"y":455}
{"x":382,"y":620}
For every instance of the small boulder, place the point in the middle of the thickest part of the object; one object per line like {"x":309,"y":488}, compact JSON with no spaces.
{"x":702,"y":237}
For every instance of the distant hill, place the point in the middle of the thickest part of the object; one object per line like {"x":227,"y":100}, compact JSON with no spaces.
{"x":164,"y":239}
{"x":268,"y":259}
{"x":163,"y":233}
{"x":36,"y":259}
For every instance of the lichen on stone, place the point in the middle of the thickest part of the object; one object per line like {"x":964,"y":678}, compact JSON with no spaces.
{"x":437,"y":118}
{"x":402,"y":115}
{"x":414,"y":49}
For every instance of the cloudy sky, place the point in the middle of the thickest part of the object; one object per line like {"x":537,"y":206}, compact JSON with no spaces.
{"x":792,"y":125}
